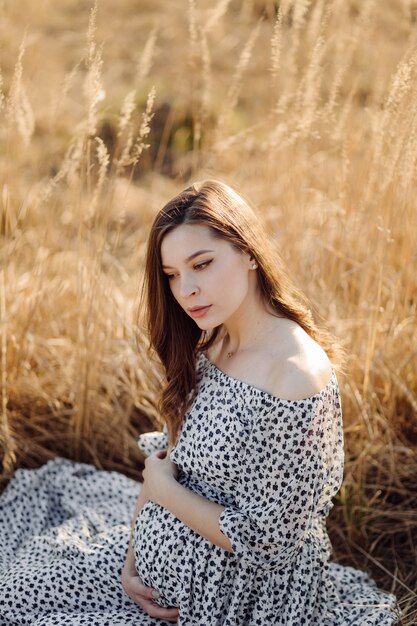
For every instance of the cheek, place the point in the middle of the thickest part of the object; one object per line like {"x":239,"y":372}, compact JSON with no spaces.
{"x":232,"y":287}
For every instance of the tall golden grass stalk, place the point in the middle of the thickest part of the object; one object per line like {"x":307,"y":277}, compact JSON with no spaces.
{"x":18,"y":108}
{"x":145,"y":61}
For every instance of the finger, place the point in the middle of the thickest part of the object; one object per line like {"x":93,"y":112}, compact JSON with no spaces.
{"x":141,"y":590}
{"x":149,"y":593}
{"x":158,"y":611}
{"x":138,"y":586}
{"x":145,"y":594}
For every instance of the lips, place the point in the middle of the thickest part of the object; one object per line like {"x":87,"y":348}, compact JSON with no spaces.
{"x":198,"y":311}
{"x":198,"y":308}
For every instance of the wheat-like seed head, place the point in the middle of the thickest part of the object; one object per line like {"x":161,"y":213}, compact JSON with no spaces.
{"x":145,"y":61}
{"x":18,"y":108}
{"x":145,"y":128}
{"x":128,"y":107}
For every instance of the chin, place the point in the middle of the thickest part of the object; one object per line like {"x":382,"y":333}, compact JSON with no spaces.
{"x":206,"y":326}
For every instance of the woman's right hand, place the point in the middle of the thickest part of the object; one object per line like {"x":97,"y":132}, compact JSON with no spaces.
{"x":142,"y":595}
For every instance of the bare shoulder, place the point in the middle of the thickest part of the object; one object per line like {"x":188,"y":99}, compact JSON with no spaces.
{"x":299,"y":380}
{"x":301,"y":370}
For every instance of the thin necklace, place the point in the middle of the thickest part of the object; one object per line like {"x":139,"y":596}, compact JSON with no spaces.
{"x":230,"y":354}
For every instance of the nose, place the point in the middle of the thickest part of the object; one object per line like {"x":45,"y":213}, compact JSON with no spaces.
{"x":187,"y":286}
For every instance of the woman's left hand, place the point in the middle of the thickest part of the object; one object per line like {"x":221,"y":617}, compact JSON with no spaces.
{"x":159,"y":472}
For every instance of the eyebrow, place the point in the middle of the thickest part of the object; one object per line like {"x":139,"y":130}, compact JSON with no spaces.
{"x":189,"y":258}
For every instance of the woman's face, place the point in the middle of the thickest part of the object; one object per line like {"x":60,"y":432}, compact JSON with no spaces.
{"x":218,"y":277}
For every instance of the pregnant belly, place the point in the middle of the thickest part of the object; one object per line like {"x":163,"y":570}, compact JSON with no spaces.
{"x":160,"y":542}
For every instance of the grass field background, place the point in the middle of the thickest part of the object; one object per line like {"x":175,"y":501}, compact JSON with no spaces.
{"x":307,"y":107}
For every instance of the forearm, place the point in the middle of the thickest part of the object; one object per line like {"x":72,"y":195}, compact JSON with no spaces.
{"x":197,"y":512}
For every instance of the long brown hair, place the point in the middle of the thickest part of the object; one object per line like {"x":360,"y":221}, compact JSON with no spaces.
{"x":173,"y":334}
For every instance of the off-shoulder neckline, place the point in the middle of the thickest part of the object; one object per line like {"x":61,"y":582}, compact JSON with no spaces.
{"x":258,"y":390}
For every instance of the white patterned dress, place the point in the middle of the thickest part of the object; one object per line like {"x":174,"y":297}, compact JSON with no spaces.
{"x":275,"y":466}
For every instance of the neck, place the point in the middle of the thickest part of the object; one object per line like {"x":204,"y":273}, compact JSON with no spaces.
{"x":247,"y":326}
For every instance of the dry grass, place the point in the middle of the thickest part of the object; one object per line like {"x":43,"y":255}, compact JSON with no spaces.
{"x":312,"y":112}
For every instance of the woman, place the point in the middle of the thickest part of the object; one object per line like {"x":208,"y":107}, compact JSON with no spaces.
{"x":229,"y":526}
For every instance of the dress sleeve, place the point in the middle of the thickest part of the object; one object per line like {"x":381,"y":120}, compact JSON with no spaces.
{"x":154,"y":440}
{"x":278,"y":484}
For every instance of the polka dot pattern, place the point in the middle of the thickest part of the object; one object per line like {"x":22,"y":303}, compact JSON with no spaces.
{"x":275,"y":466}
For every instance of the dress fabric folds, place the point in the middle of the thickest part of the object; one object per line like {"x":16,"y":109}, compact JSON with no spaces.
{"x":274,"y":465}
